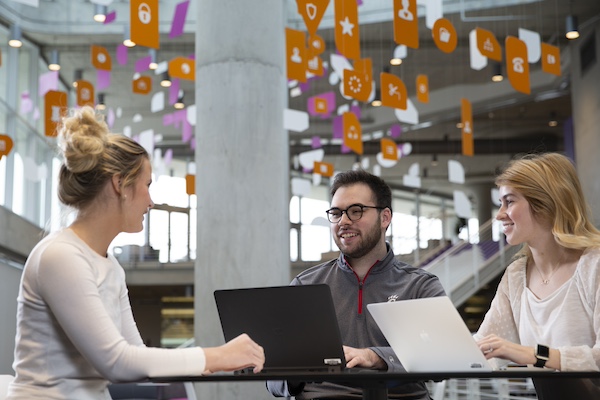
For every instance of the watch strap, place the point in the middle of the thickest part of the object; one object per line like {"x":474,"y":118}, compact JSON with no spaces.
{"x":542,"y":354}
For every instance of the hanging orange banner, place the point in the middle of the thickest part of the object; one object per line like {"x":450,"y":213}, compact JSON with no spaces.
{"x":406,"y":23}
{"x":347,"y":39}
{"x":190,"y":184}
{"x":101,"y":58}
{"x":141,"y":85}
{"x":85,"y":93}
{"x":316,"y":44}
{"x":182,"y":68}
{"x":321,"y":106}
{"x":323,"y":168}
{"x":357,"y":85}
{"x":488,"y":45}
{"x":466,"y":114}
{"x":6,"y":145}
{"x":312,"y":12}
{"x":393,"y":91}
{"x":296,"y":54}
{"x":315,"y":65}
{"x":422,"y":83}
{"x":55,"y":108}
{"x":444,"y":35}
{"x":352,"y":132}
{"x":389,"y":149}
{"x":143,"y":22}
{"x":550,"y":59}
{"x":517,"y":66}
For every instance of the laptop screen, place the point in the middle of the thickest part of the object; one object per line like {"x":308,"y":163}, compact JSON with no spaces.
{"x":296,"y":325}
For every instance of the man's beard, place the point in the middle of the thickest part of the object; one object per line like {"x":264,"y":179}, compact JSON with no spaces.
{"x":368,"y":242}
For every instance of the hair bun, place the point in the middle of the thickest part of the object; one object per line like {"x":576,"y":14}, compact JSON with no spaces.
{"x":83,"y":137}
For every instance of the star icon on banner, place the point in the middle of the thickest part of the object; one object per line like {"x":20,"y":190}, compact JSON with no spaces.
{"x":347,"y":26}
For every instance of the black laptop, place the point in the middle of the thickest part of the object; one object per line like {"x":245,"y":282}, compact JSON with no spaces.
{"x":296,"y":325}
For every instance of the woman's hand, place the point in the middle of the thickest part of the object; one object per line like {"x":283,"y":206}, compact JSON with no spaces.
{"x":239,"y":353}
{"x":495,"y":346}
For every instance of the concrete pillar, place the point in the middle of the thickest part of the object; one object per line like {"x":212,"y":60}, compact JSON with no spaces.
{"x":585,"y":91}
{"x":483,"y":205}
{"x":483,"y":199}
{"x":242,"y":163}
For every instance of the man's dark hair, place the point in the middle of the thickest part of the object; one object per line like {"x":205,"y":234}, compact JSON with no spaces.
{"x":381,"y":190}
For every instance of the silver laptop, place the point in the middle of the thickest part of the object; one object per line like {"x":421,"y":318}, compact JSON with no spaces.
{"x":429,"y":335}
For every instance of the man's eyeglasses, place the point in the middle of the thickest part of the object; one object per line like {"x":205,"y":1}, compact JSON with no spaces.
{"x":354,"y":212}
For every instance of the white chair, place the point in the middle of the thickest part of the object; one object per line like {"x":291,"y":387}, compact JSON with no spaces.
{"x":4,"y":381}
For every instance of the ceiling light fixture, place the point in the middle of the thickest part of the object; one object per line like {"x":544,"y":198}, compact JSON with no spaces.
{"x":127,"y":37}
{"x":357,"y":165}
{"x":180,"y":104}
{"x":434,"y":160}
{"x":398,"y":55}
{"x":552,"y":122}
{"x":100,"y":105}
{"x":497,"y":75}
{"x":153,"y":59}
{"x":166,"y":80}
{"x":572,"y":31}
{"x":15,"y":36}
{"x":377,"y":99}
{"x":100,"y":12}
{"x":54,"y":64}
{"x":78,"y":77}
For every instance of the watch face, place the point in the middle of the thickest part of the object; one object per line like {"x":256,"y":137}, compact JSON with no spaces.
{"x":542,"y":351}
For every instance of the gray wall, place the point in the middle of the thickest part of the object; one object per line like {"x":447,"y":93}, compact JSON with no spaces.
{"x":9,"y":287}
{"x":17,"y":238}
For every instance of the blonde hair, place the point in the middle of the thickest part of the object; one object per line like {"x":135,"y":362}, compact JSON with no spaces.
{"x":550,"y":185}
{"x":92,"y":156}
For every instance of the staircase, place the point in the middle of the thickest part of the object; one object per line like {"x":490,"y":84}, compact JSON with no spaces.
{"x":470,"y":265}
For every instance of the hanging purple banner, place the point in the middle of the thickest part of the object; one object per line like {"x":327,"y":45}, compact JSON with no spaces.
{"x":143,"y":64}
{"x":102,"y":79}
{"x":179,"y":19}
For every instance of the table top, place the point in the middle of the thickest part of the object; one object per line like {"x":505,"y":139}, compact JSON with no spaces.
{"x":374,"y":376}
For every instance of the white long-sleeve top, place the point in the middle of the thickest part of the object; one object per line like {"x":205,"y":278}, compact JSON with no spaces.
{"x":568,"y":320}
{"x":75,"y":328}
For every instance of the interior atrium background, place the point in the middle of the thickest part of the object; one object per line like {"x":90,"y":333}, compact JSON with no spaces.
{"x":506,"y":123}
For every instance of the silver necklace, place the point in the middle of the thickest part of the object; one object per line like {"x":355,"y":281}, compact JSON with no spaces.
{"x":546,"y":280}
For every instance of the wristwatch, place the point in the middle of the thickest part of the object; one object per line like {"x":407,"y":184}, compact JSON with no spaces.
{"x":542,"y":354}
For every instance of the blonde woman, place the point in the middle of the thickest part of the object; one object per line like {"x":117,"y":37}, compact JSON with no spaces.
{"x":546,"y":311}
{"x":75,"y":328}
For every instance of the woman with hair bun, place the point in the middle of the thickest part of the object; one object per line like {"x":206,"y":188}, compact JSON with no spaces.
{"x":546,"y":311}
{"x":75,"y":328}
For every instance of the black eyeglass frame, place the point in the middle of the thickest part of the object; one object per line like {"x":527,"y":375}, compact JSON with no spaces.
{"x":362,"y":210}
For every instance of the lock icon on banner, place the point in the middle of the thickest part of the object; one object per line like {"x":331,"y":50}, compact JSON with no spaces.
{"x":144,"y":13}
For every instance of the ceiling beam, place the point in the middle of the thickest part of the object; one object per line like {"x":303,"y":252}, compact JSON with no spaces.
{"x":482,"y":146}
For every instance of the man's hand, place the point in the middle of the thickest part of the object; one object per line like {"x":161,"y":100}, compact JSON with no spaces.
{"x":365,"y":358}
